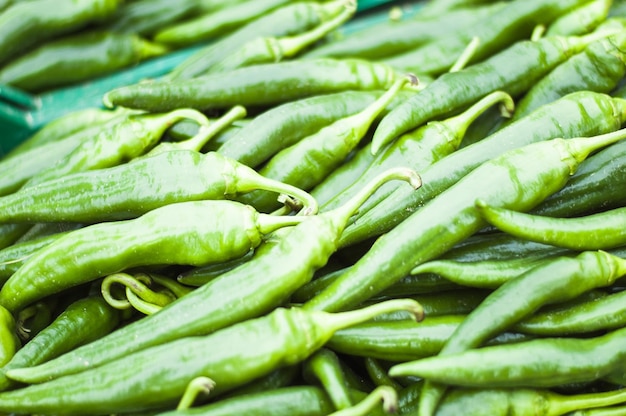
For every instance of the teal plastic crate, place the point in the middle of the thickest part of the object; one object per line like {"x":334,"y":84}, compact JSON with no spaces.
{"x":22,"y":114}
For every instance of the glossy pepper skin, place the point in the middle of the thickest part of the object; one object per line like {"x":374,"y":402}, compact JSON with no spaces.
{"x":578,"y":114}
{"x":288,"y":20}
{"x":546,"y":362}
{"x":83,"y":321}
{"x":238,"y":354}
{"x":77,"y":58}
{"x":248,"y":291}
{"x":256,"y":85}
{"x":520,"y":178}
{"x":25,"y":24}
{"x":513,"y":22}
{"x":600,"y":231}
{"x":599,"y":67}
{"x":324,"y":367}
{"x":513,"y":70}
{"x":209,"y":231}
{"x":147,"y":17}
{"x":132,"y":189}
{"x":594,"y":187}
{"x":9,"y":342}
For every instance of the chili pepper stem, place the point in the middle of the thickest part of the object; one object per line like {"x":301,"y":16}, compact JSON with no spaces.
{"x":579,"y":43}
{"x":352,"y":205}
{"x":560,"y":405}
{"x":291,"y":45}
{"x":466,"y":55}
{"x":461,"y":123}
{"x":207,"y":132}
{"x":268,"y":223}
{"x":248,"y":180}
{"x":141,"y":305}
{"x":386,"y":394}
{"x":197,"y":386}
{"x":581,"y":147}
{"x":332,"y":322}
{"x":148,"y":49}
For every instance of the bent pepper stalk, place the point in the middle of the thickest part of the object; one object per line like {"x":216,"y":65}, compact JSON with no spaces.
{"x":520,"y":178}
{"x":250,"y":290}
{"x":158,"y":376}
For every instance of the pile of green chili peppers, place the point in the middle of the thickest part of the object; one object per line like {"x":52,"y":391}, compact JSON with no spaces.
{"x":424,"y":215}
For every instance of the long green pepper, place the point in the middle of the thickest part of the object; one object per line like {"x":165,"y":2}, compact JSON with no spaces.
{"x":158,"y":376}
{"x":133,"y":189}
{"x":250,"y":290}
{"x":255,"y":85}
{"x":185,"y":233}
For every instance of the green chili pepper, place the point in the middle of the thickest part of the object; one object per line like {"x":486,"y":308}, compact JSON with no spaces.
{"x":578,"y":114}
{"x":309,"y":161}
{"x":274,"y":49}
{"x":598,"y":313}
{"x":393,"y":37}
{"x":136,"y":135}
{"x":594,"y":187}
{"x":284,"y":125}
{"x":13,"y":256}
{"x":216,"y":23}
{"x":599,"y":67}
{"x":28,"y":23}
{"x":378,"y":374}
{"x":371,"y":402}
{"x":81,"y":322}
{"x":603,"y":230}
{"x":256,"y":85}
{"x":281,"y":377}
{"x":149,"y":16}
{"x":435,"y":7}
{"x":581,"y":19}
{"x":250,"y":290}
{"x":202,"y":275}
{"x":399,"y":341}
{"x":519,"y":178}
{"x":546,"y":362}
{"x":18,"y":169}
{"x":324,"y":367}
{"x":254,"y":347}
{"x":507,"y":25}
{"x":133,"y":189}
{"x":9,"y":342}
{"x":287,"y":20}
{"x":498,"y":402}
{"x":186,"y":233}
{"x":65,"y":126}
{"x":420,"y":148}
{"x":558,"y":280}
{"x":513,"y":70}
{"x":77,"y":58}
